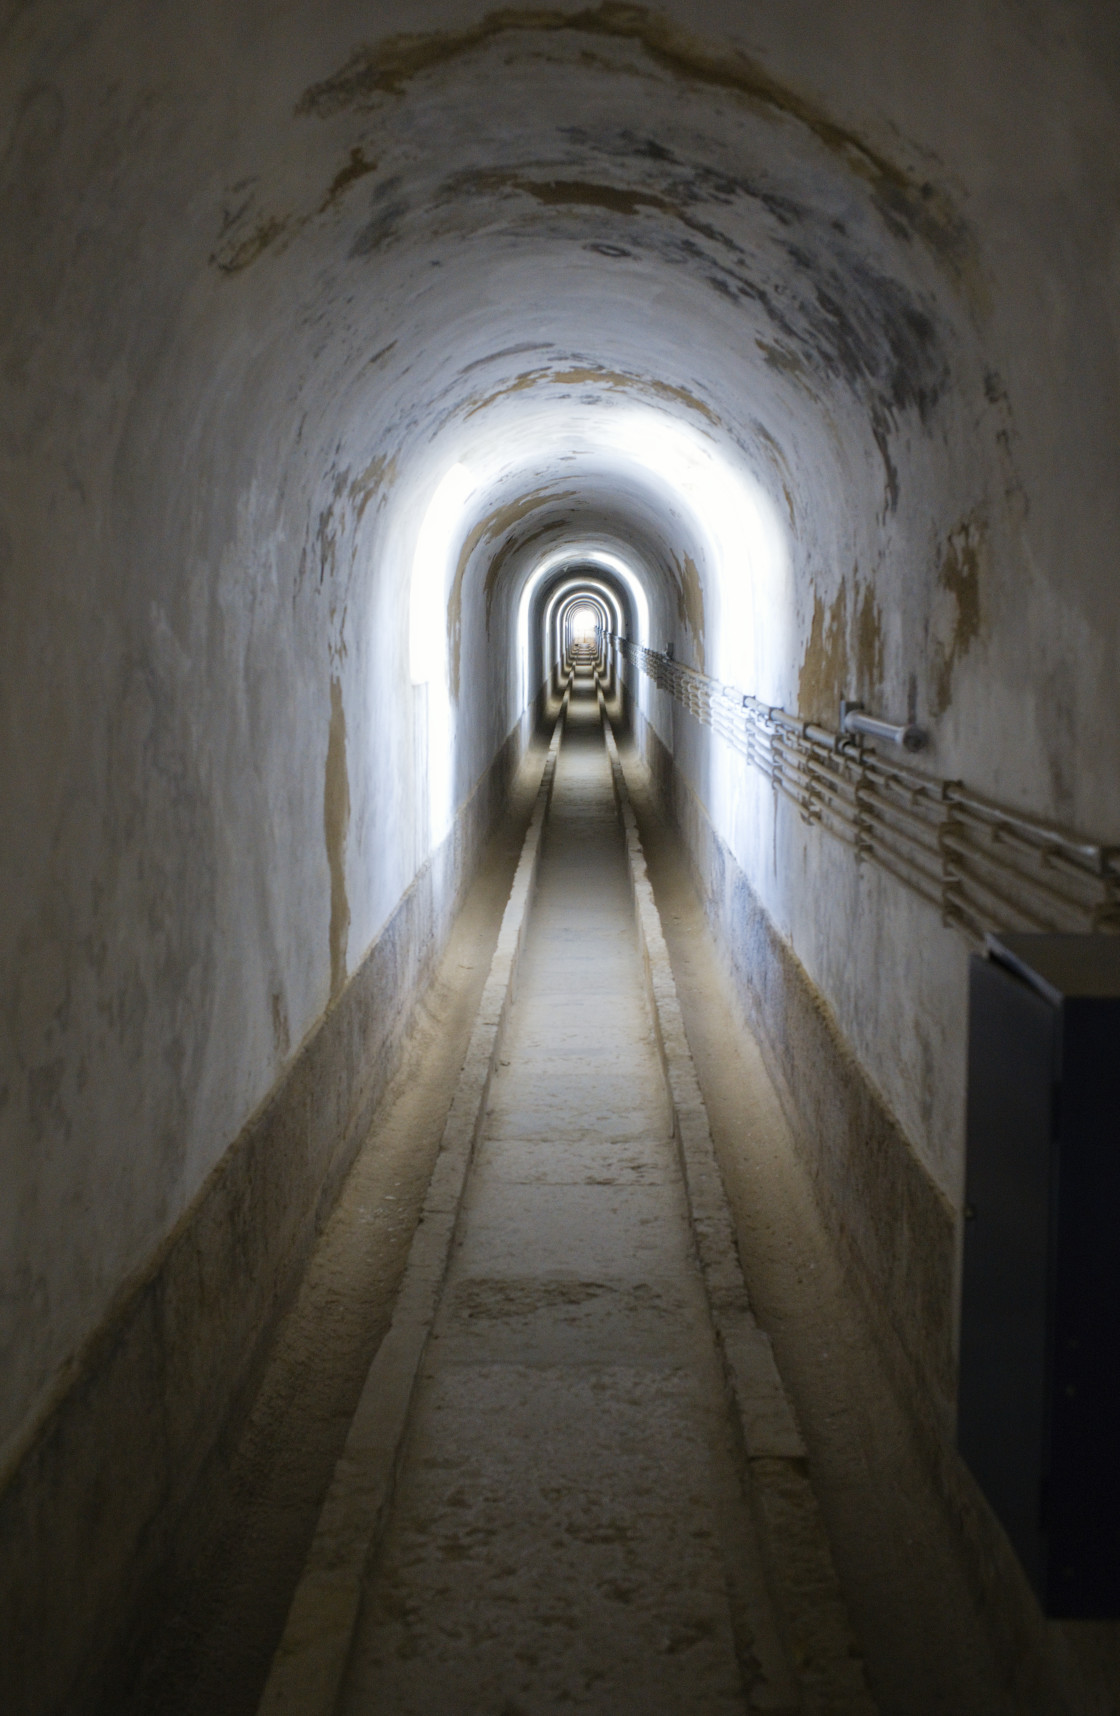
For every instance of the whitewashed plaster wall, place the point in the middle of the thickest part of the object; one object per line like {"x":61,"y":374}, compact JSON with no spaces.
{"x":269,"y":271}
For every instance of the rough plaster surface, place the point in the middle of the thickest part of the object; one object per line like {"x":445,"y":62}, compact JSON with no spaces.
{"x":270,"y":272}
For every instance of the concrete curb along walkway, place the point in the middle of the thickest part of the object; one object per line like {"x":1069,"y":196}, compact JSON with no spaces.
{"x":310,"y":1661}
{"x":818,"y":1633}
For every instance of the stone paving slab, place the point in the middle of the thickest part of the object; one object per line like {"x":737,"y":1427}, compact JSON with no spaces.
{"x":564,"y":1526}
{"x":599,"y":1230}
{"x":310,"y":1661}
{"x":579,"y":1161}
{"x":543,"y":1115}
{"x":554,"y":1548}
{"x":565,"y":1320}
{"x":568,"y":1531}
{"x":817,"y":1629}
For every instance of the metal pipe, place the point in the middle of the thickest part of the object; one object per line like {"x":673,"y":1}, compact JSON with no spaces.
{"x":1043,"y":833}
{"x":933,"y":836}
{"x":853,"y":720}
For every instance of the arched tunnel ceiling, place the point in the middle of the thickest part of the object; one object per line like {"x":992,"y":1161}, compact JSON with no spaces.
{"x":487,"y":252}
{"x":359,"y":244}
{"x":744,"y":261}
{"x":483,"y":238}
{"x":802,"y":313}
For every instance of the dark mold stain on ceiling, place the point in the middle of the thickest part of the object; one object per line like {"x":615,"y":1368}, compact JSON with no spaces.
{"x":912,"y":206}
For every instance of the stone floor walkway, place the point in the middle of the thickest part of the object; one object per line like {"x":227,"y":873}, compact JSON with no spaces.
{"x":569,"y":1532}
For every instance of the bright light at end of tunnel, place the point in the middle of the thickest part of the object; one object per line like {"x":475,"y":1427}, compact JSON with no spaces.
{"x":584,"y":555}
{"x":583,"y":622}
{"x":439,"y":533}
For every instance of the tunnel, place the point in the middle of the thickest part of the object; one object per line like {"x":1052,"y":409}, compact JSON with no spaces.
{"x":453,"y":455}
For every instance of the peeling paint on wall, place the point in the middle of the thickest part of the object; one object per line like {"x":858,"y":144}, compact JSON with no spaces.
{"x":869,"y":644}
{"x":960,"y":578}
{"x":560,"y":193}
{"x":596,"y":375}
{"x":336,"y":826}
{"x":844,"y":656}
{"x":690,"y":605}
{"x":624,"y":200}
{"x":823,"y":679}
{"x":245,"y":233}
{"x":356,"y":168}
{"x":914,"y":205}
{"x":197,"y":384}
{"x":233,"y":253}
{"x":281,"y":1029}
{"x":376,"y":480}
{"x":845,"y":318}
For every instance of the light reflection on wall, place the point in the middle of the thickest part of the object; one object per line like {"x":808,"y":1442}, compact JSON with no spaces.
{"x":693,"y":483}
{"x":437,"y":540}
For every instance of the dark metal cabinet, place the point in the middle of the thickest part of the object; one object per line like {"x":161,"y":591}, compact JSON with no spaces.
{"x":1039,"y":1403}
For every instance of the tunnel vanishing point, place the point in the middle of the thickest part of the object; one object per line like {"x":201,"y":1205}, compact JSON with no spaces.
{"x":557,"y":577}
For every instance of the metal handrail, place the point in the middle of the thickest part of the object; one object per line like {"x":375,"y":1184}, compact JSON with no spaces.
{"x":983,"y":866}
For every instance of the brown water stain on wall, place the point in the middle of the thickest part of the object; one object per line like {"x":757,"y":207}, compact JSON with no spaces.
{"x":245,"y":235}
{"x":845,"y":653}
{"x":909,"y":205}
{"x":960,"y":576}
{"x":582,"y":193}
{"x":336,"y":827}
{"x":824,"y":670}
{"x":690,"y":605}
{"x":281,"y":1029}
{"x":239,"y":253}
{"x":782,"y":360}
{"x":586,"y":193}
{"x":869,"y":644}
{"x":356,"y":168}
{"x":376,"y":480}
{"x":596,"y":375}
{"x":387,"y":66}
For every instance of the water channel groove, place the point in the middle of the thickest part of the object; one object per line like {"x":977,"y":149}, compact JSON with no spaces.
{"x":574,"y":1481}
